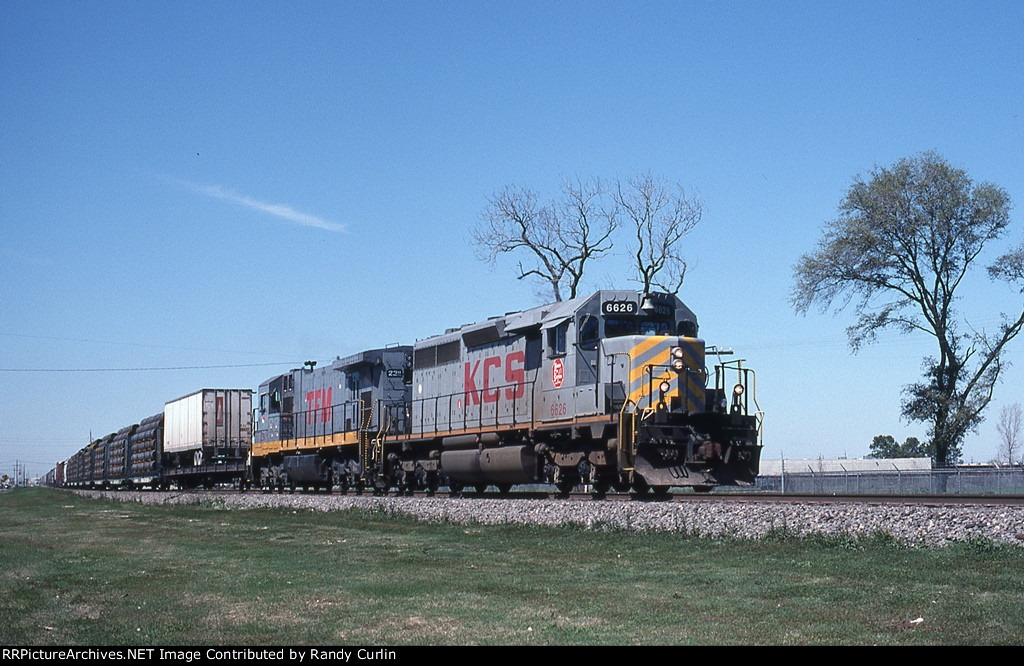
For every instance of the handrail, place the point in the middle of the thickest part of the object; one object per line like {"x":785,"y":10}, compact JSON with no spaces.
{"x":479,"y":421}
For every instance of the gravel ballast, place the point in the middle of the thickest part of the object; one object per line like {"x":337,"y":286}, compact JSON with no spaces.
{"x":909,"y":524}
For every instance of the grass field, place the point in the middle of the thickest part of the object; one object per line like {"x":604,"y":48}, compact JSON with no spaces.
{"x":79,"y":571}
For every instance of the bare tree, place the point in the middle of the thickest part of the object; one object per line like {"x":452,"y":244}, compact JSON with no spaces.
{"x":1010,"y":433}
{"x":902,"y":244}
{"x":661,"y":217}
{"x":558,"y":238}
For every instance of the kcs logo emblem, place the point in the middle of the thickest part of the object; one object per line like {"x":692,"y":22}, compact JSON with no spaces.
{"x":557,"y":373}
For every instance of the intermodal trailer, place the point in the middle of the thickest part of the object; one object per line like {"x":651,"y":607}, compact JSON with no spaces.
{"x":207,"y":437}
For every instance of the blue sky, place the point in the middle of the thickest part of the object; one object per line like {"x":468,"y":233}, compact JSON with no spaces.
{"x":199,"y":185}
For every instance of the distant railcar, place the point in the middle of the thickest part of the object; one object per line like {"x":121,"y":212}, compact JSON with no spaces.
{"x":209,"y":444}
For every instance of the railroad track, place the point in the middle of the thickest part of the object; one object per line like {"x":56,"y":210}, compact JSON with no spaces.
{"x":917,"y":519}
{"x":714,"y":497}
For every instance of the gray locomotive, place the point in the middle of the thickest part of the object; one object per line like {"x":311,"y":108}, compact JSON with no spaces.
{"x":608,"y":390}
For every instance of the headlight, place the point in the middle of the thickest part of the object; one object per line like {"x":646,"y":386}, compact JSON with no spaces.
{"x":678,"y":365}
{"x":665,"y":386}
{"x":737,"y":390}
{"x":677,"y":352}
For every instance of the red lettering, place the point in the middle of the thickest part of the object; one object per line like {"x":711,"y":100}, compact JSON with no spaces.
{"x":318,"y":406}
{"x":492,"y":362}
{"x":470,"y":384}
{"x":325,"y":413}
{"x":515,"y":376}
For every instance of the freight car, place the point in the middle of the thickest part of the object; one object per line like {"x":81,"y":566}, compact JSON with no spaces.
{"x":200,"y":439}
{"x":609,"y":390}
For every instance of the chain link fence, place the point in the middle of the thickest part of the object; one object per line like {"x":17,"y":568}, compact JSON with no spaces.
{"x":953,"y":481}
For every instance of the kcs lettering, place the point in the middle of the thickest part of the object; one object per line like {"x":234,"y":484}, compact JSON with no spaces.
{"x":514,"y":379}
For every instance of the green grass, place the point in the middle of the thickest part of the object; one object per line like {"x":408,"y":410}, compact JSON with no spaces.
{"x":79,"y":571}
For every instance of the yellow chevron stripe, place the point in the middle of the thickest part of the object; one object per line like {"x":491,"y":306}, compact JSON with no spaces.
{"x":661,"y":358}
{"x":695,"y":396}
{"x":639,"y":366}
{"x":648,"y":387}
{"x":647,"y":354}
{"x":646,"y":345}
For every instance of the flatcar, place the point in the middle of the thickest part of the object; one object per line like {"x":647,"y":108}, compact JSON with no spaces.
{"x":610,"y":390}
{"x":201,"y":439}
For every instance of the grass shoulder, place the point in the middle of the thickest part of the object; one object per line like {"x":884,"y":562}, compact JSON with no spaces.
{"x":88,"y":571}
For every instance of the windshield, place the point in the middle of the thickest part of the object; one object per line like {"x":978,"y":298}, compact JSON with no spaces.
{"x":618,"y":326}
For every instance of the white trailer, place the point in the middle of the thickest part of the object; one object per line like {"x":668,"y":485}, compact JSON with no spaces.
{"x":209,"y":420}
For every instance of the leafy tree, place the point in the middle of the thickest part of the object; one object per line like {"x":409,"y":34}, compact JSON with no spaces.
{"x":885,"y":446}
{"x":903,"y":242}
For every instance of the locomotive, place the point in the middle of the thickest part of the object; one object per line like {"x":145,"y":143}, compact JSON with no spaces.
{"x":609,"y":390}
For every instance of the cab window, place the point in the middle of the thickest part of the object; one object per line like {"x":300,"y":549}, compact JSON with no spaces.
{"x":615,"y":327}
{"x":688,"y":329}
{"x":655,"y":327}
{"x":589,"y":333}
{"x":557,"y":339}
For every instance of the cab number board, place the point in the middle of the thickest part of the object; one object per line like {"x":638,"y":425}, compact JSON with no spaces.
{"x":618,"y":308}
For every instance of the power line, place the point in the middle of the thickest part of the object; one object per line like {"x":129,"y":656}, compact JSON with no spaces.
{"x":180,"y":367}
{"x":132,"y":344}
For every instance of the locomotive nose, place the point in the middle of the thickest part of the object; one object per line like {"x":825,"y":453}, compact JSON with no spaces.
{"x":668,"y":373}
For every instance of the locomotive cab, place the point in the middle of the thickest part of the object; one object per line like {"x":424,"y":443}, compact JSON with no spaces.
{"x":587,"y":350}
